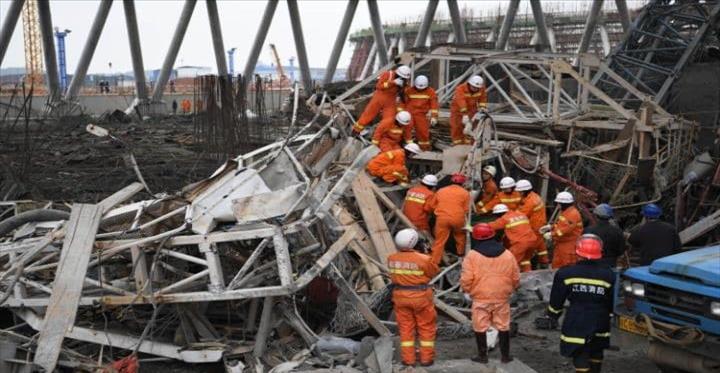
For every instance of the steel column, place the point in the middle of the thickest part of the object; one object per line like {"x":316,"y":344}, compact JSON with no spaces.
{"x":369,"y":62}
{"x":51,"y":67}
{"x":382,"y":50}
{"x":259,"y":41}
{"x":540,"y":23}
{"x":8,"y":26}
{"x":89,"y":49}
{"x":622,"y":9}
{"x":426,"y":23}
{"x":590,"y":26}
{"x":296,"y":24}
{"x":340,"y":41}
{"x":135,"y":49}
{"x":507,"y":24}
{"x":173,"y":50}
{"x":217,"y":37}
{"x":458,"y":26}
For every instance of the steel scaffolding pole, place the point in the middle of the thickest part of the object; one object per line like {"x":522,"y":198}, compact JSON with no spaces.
{"x":426,"y":23}
{"x":369,"y":62}
{"x":173,"y":50}
{"x":590,"y":26}
{"x":457,"y":22}
{"x":89,"y":49}
{"x":622,"y":9}
{"x":382,"y":50}
{"x":540,"y":23}
{"x":340,"y":41}
{"x":51,"y":67}
{"x":507,"y":25}
{"x":8,"y":26}
{"x":259,"y":41}
{"x":296,"y":24}
{"x":135,"y":50}
{"x":217,"y":38}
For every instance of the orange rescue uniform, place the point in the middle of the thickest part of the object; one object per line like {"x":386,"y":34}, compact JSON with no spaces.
{"x":450,"y":205}
{"x":389,"y":166}
{"x":533,"y":207}
{"x":519,"y":237}
{"x":419,"y":103}
{"x":465,"y":102}
{"x":389,"y":134}
{"x":511,"y":200}
{"x":488,"y":193}
{"x":410,"y":273}
{"x":384,"y":100}
{"x":416,"y":206}
{"x":565,"y":232}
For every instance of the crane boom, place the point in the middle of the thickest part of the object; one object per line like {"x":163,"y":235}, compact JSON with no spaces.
{"x":278,"y":63}
{"x":33,"y":49}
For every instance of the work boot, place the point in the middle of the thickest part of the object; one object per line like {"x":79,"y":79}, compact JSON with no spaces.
{"x":595,"y":367}
{"x":505,"y":347}
{"x":481,"y":340}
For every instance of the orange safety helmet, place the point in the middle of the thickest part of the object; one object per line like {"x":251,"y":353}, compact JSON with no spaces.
{"x":482,"y":231}
{"x":589,"y":246}
{"x":458,"y":178}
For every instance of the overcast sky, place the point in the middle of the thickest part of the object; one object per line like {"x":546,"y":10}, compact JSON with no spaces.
{"x":240,"y":20}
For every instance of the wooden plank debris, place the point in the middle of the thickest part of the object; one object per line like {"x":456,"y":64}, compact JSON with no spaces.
{"x":701,"y":227}
{"x":378,"y":230}
{"x":120,"y":196}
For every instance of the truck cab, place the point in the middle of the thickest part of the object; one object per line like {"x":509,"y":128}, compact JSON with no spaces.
{"x":673,"y":307}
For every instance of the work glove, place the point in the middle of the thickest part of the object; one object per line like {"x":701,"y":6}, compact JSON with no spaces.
{"x":399,"y":82}
{"x":468,"y":129}
{"x":545,"y":228}
{"x":433,"y":122}
{"x":482,"y":110}
{"x":478,"y":116}
{"x":467,"y":297}
{"x":466,"y":120}
{"x":547,"y":236}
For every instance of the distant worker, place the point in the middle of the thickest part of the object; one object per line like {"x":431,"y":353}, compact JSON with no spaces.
{"x":385,"y":98}
{"x":412,"y":296}
{"x":391,"y":132}
{"x":421,"y":101}
{"x":489,"y":189}
{"x":174,"y":107}
{"x":507,"y":196}
{"x":450,"y":206}
{"x":489,"y":277}
{"x":611,"y":235}
{"x":532,"y":206}
{"x":519,"y":237}
{"x":655,"y":238}
{"x":186,"y":105}
{"x":468,"y":99}
{"x":390,"y":166}
{"x":416,"y":206}
{"x":588,"y":286}
{"x":565,"y":231}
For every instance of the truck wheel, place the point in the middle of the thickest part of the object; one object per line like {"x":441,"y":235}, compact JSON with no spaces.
{"x":666,"y":369}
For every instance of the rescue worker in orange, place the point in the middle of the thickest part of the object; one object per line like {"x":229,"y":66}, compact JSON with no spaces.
{"x":507,"y":196}
{"x":391,"y":132}
{"x":450,"y":206}
{"x":385,"y":99}
{"x":412,"y":296}
{"x":468,"y":99}
{"x":421,"y":100}
{"x":519,"y":237}
{"x":564,"y":232}
{"x":532,"y":206}
{"x":416,"y":206}
{"x":390,"y":166}
{"x":185,"y":105}
{"x":489,"y":277}
{"x":489,"y":189}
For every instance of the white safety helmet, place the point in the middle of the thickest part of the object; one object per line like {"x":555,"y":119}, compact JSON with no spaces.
{"x":490,"y":169}
{"x":421,"y":82}
{"x":406,"y":239}
{"x":430,"y":180}
{"x":403,"y":117}
{"x":500,"y":209}
{"x":403,"y":71}
{"x":476,"y":81}
{"x":507,"y":182}
{"x":412,"y":148}
{"x":523,"y":185}
{"x":564,"y":197}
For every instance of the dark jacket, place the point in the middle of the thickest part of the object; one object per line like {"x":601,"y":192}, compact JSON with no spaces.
{"x":490,"y":248}
{"x":588,"y":286}
{"x":655,"y":239}
{"x":613,"y":240}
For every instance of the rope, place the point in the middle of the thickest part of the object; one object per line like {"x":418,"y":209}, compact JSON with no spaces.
{"x":675,"y":335}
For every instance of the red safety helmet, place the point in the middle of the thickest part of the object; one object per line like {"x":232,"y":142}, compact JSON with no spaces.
{"x":482,"y":231}
{"x":589,"y":246}
{"x":458,"y":178}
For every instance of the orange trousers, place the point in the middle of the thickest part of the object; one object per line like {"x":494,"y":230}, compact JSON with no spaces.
{"x":564,"y":254}
{"x":523,"y":252}
{"x":541,"y":250}
{"x":387,"y":145}
{"x":456,"y":128}
{"x":444,"y":226}
{"x":378,"y":104}
{"x":416,"y":314}
{"x":422,"y":130}
{"x":485,"y":315}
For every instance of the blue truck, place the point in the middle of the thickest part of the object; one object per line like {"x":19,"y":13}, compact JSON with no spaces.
{"x":672,"y":309}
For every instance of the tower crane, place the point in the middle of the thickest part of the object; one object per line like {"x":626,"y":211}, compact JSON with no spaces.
{"x":32,"y":42}
{"x":278,"y":65}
